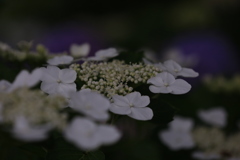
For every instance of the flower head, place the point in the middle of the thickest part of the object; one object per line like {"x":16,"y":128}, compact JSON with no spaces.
{"x":166,"y":83}
{"x":133,"y":105}
{"x":88,"y":136}
{"x":90,"y":103}
{"x":58,"y":81}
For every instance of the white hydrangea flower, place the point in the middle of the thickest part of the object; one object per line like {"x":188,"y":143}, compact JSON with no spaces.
{"x":90,"y":103}
{"x":4,"y":85}
{"x":59,"y":60}
{"x":80,"y":50}
{"x":166,"y":83}
{"x":178,"y":136}
{"x":133,"y":105}
{"x":215,"y":116}
{"x":88,"y":136}
{"x":175,"y":69}
{"x":104,"y":54}
{"x":24,"y":131}
{"x":58,"y":81}
{"x":205,"y":156}
{"x":26,"y":79}
{"x":181,"y":124}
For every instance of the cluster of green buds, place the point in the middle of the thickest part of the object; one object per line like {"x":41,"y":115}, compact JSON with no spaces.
{"x":34,"y":105}
{"x":115,"y":77}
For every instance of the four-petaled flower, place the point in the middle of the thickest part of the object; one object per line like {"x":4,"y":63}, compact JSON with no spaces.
{"x":166,"y":83}
{"x":133,"y":105}
{"x":60,"y":60}
{"x":176,"y":70}
{"x":88,"y":136}
{"x":58,"y":81}
{"x":104,"y":54}
{"x":90,"y":103}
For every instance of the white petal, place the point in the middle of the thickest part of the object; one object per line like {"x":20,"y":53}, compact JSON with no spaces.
{"x":97,"y":114}
{"x":123,"y":110}
{"x":120,"y":101}
{"x":188,"y":72}
{"x":142,"y":101}
{"x":133,"y":97}
{"x":67,"y":75}
{"x":50,"y":74}
{"x":80,"y":50}
{"x":141,"y":113}
{"x":180,"y":87}
{"x":155,"y":89}
{"x":156,"y":81}
{"x":20,"y":80}
{"x":34,"y":77}
{"x":181,"y":124}
{"x":215,"y":116}
{"x":107,"y":53}
{"x":176,"y":140}
{"x":167,"y":78}
{"x":172,"y":67}
{"x":66,"y":89}
{"x":108,"y":134}
{"x":4,"y":85}
{"x":60,"y":60}
{"x":22,"y":130}
{"x":50,"y":88}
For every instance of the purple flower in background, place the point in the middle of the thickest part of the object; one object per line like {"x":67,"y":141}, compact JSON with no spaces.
{"x":60,"y":39}
{"x":215,"y":53}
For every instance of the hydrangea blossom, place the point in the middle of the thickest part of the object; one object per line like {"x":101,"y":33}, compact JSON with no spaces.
{"x":24,"y":131}
{"x":60,"y":60}
{"x":26,"y":79}
{"x":58,"y":81}
{"x":215,"y":116}
{"x":88,"y":136}
{"x":166,"y":83}
{"x":91,"y":104}
{"x":104,"y":54}
{"x":80,"y":50}
{"x":4,"y":85}
{"x":178,"y":136}
{"x":175,"y":69}
{"x":133,"y":105}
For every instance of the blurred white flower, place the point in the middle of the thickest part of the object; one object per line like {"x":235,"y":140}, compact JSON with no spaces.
{"x":166,"y":83}
{"x":178,"y":136}
{"x":80,"y":50}
{"x":205,"y":156}
{"x":160,"y":66}
{"x":90,"y":103}
{"x":88,"y":136}
{"x":4,"y":46}
{"x":4,"y":85}
{"x":24,"y":131}
{"x":104,"y":54}
{"x":26,"y":79}
{"x":181,"y":124}
{"x":177,"y":140}
{"x":133,"y":105}
{"x":58,"y":81}
{"x":59,"y":60}
{"x":176,"y":70}
{"x":215,"y":116}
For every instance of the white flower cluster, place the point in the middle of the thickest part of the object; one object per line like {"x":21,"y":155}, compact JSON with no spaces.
{"x":112,"y":78}
{"x":211,"y":142}
{"x":31,"y":111}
